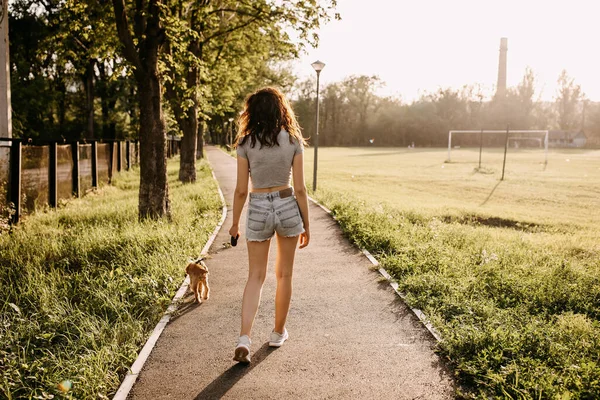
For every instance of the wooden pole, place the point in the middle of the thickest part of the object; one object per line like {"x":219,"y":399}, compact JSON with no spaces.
{"x":75,"y":176}
{"x":128,"y":155}
{"x":505,"y":150}
{"x":111,"y":152}
{"x":119,"y":155}
{"x":5,"y":106}
{"x":94,"y":164}
{"x":15,"y":180}
{"x":52,"y":176}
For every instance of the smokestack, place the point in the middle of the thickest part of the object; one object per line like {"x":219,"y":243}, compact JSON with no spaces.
{"x":501,"y":85}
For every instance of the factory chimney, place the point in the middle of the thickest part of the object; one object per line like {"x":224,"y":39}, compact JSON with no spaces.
{"x":501,"y":85}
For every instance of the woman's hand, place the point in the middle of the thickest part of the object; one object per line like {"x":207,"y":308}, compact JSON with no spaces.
{"x":234,"y":231}
{"x":304,"y":238}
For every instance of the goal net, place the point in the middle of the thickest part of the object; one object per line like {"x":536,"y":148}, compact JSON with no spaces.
{"x":497,"y":138}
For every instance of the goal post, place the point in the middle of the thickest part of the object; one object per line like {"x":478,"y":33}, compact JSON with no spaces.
{"x":498,"y":132}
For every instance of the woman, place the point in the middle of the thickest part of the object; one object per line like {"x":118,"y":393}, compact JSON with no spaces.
{"x":270,"y":147}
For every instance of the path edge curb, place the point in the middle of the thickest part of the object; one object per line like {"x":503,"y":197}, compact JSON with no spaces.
{"x":418,"y":313}
{"x":135,"y":369}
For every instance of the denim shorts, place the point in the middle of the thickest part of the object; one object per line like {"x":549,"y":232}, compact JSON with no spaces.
{"x":269,"y":213}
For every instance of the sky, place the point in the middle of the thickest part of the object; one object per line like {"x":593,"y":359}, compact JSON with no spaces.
{"x":418,"y":46}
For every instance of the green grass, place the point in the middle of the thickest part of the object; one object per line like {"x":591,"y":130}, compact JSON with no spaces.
{"x":230,"y":151}
{"x":508,"y":272}
{"x":82,"y":287}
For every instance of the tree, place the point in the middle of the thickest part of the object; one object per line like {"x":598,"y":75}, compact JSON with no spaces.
{"x":360,"y":92}
{"x":142,"y":51}
{"x":229,"y":42}
{"x":567,"y":101}
{"x":592,"y":123}
{"x":63,"y":59}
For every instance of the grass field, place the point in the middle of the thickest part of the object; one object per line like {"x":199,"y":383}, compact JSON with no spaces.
{"x":82,"y":287}
{"x":508,"y":272}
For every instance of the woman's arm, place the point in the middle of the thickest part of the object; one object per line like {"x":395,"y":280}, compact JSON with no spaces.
{"x":301,"y":196}
{"x":240,"y":195}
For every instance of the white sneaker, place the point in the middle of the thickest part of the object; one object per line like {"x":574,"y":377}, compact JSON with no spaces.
{"x":242,"y":350}
{"x":277,"y":339}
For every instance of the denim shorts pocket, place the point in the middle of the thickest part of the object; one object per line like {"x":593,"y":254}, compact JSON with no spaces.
{"x":257,"y":219}
{"x":290,"y":216}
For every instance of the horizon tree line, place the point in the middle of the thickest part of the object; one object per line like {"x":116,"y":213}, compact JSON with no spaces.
{"x":352,"y":114}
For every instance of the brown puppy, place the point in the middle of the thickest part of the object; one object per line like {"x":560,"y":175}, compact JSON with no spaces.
{"x":198,"y":279}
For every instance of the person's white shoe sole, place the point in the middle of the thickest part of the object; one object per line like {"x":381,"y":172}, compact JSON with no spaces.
{"x":242,"y":355}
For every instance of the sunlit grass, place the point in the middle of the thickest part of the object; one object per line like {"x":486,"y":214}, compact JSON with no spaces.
{"x":509,"y":273}
{"x":82,"y":287}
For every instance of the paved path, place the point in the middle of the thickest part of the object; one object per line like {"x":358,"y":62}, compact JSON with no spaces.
{"x":350,"y":335}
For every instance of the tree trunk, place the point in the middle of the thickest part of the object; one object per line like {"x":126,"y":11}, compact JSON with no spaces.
{"x":188,"y":123}
{"x":105,"y":119}
{"x":154,"y":189}
{"x":62,"y":104}
{"x":108,"y":101}
{"x":200,"y":141}
{"x":187,"y":159}
{"x":89,"y":96}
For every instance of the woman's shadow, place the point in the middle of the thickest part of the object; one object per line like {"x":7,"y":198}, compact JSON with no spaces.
{"x":217,"y":388}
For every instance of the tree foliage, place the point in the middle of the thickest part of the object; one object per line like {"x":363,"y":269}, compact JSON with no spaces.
{"x":63,"y":63}
{"x":568,"y":101}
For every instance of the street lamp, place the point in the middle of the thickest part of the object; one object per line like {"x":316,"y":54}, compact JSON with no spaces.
{"x":230,"y":132}
{"x":318,"y":67}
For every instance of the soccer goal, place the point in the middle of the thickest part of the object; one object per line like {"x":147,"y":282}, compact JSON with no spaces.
{"x":514,"y":136}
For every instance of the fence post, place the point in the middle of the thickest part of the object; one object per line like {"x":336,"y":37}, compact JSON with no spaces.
{"x":128,"y":155}
{"x":95,"y":164}
{"x":75,"y":175}
{"x":15,"y":180}
{"x":52,"y":178}
{"x":137,"y":152}
{"x":119,"y":155}
{"x":111,"y":153}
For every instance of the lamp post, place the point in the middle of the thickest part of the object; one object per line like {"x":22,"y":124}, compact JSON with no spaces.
{"x":230,"y":132}
{"x":318,"y":67}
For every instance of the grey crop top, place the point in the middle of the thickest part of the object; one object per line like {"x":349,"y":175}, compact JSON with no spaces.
{"x":271,"y":166}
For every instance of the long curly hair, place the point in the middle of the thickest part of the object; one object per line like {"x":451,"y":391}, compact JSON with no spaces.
{"x":266,"y":113}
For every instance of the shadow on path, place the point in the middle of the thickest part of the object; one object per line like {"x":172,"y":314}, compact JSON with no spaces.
{"x":189,"y":304}
{"x":491,"y":194}
{"x":217,"y":388}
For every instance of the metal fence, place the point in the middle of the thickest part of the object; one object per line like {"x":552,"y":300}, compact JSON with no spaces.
{"x":36,"y":174}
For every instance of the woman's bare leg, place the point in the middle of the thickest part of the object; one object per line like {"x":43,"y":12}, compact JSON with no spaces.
{"x":258,"y":256}
{"x":284,"y":266}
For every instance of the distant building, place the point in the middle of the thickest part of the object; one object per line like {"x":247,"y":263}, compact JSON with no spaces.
{"x":566,"y":139}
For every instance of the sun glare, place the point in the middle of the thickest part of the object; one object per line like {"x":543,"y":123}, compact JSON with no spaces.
{"x":417,"y":47}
